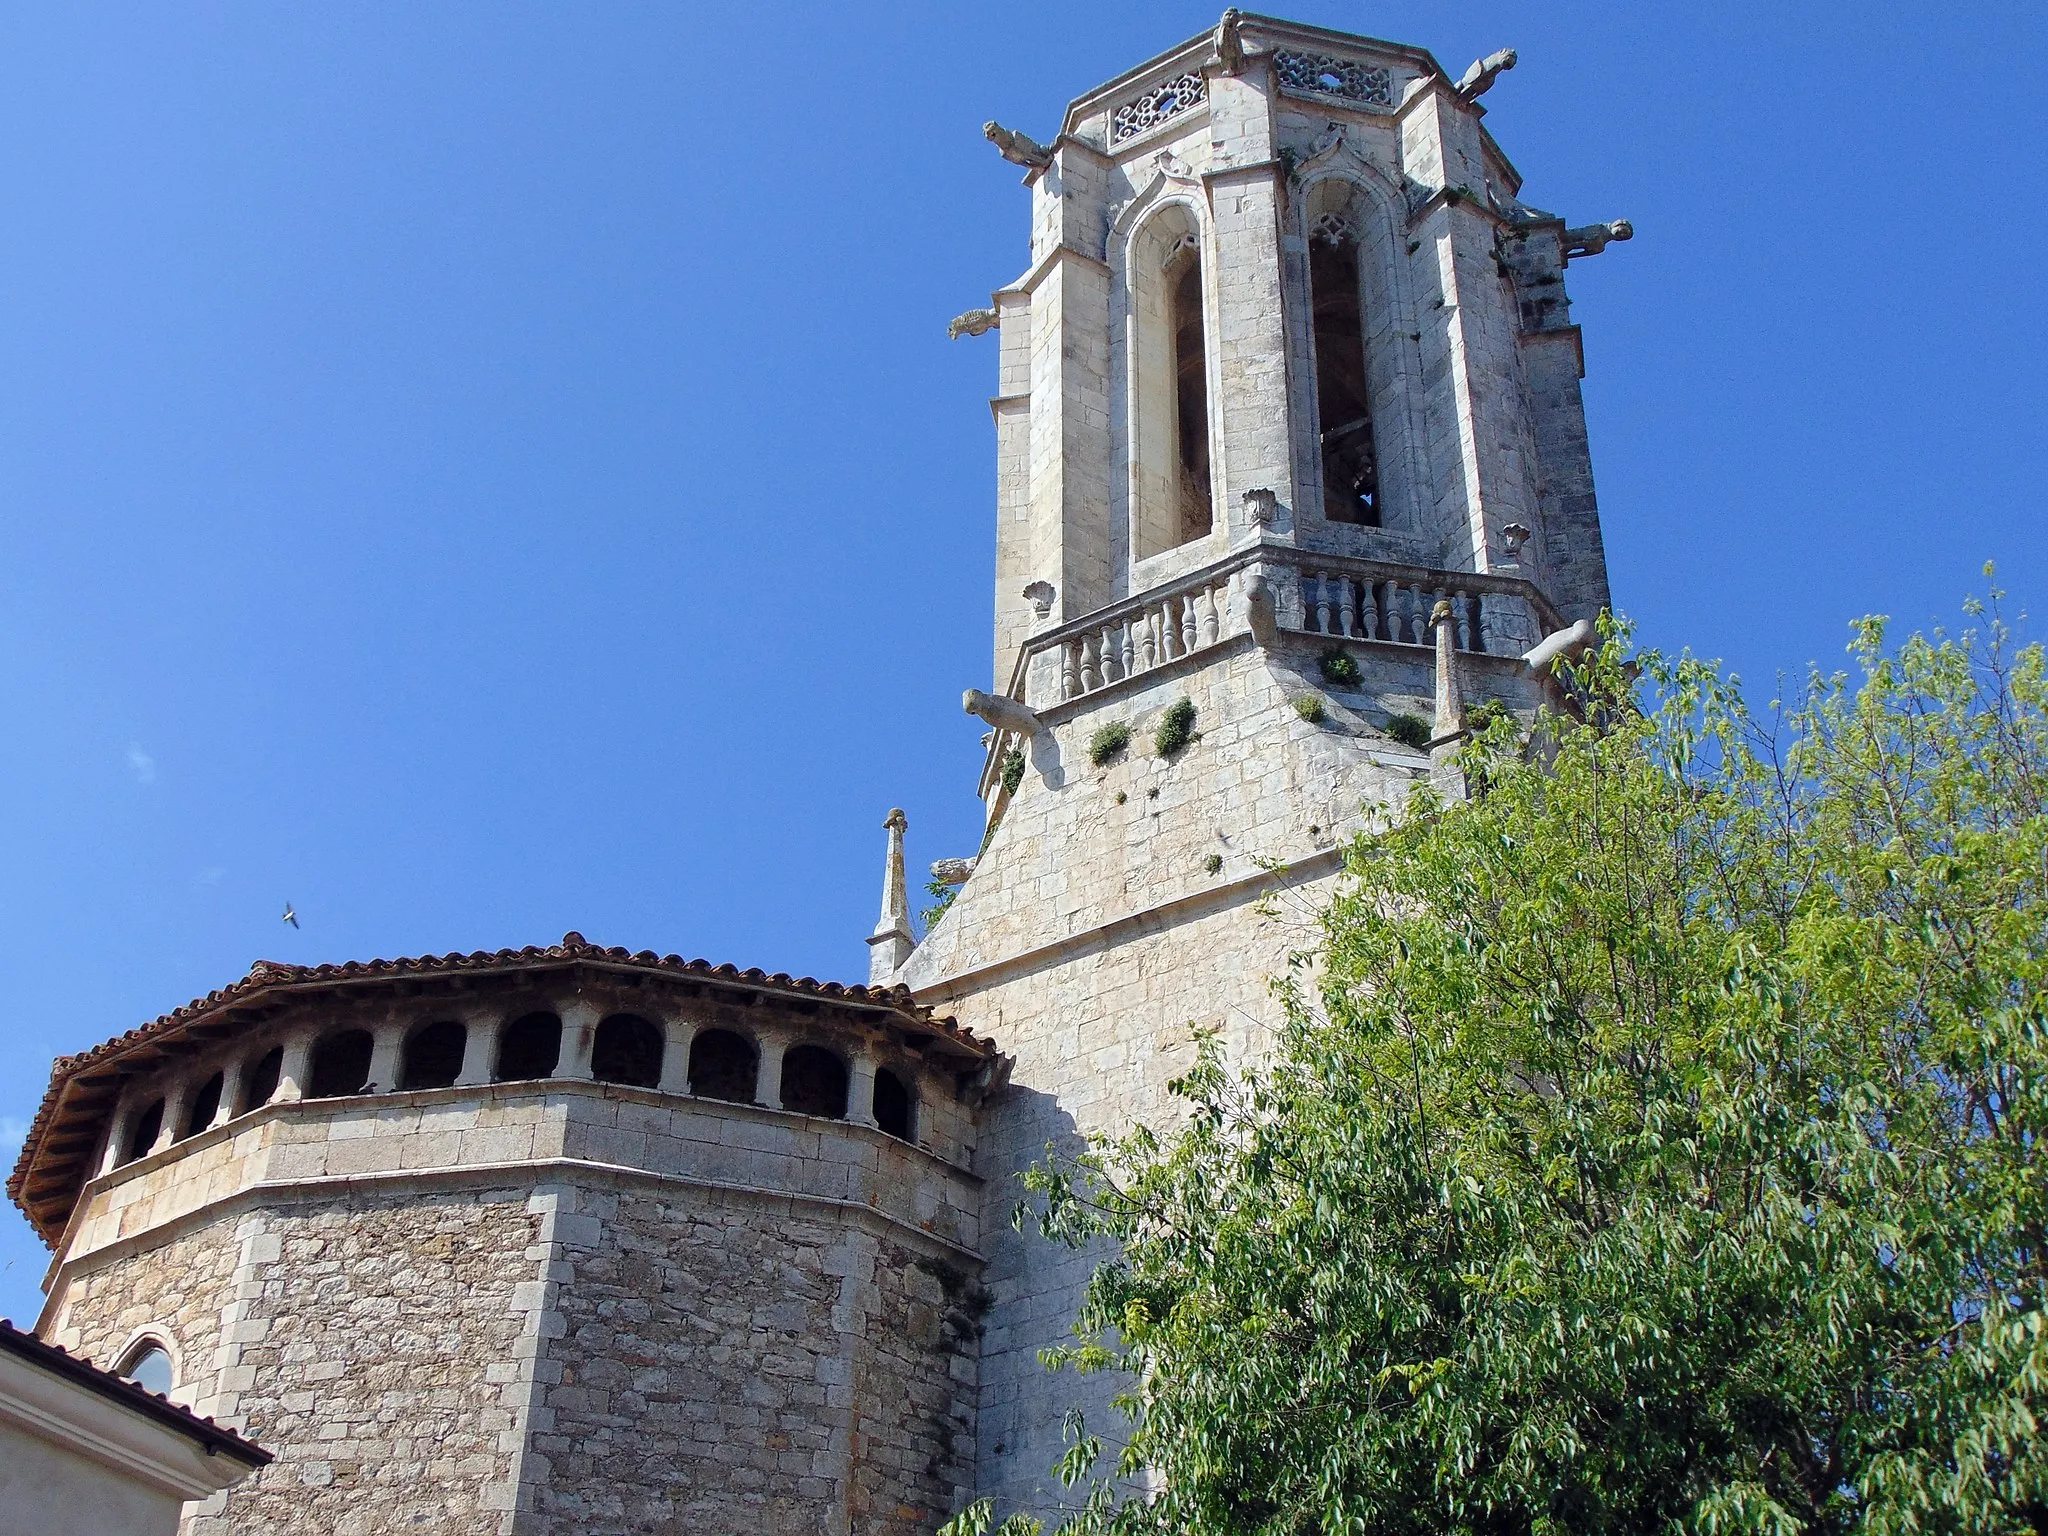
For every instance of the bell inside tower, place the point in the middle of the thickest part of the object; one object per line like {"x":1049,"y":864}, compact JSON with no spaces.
{"x":1351,"y":476}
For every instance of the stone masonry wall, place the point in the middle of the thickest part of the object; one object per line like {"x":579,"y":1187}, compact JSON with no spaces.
{"x":369,"y":1347}
{"x":177,"y":1291}
{"x":718,"y":1366}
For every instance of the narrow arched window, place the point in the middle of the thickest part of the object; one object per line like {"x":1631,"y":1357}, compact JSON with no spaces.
{"x":340,"y":1065}
{"x":814,"y":1082}
{"x":1171,"y":490}
{"x":530,"y":1048}
{"x":1351,"y":469}
{"x":205,"y":1105}
{"x":627,"y":1050}
{"x":143,"y":1131}
{"x":148,"y":1365}
{"x":722,"y":1066}
{"x":1191,"y":394}
{"x":433,"y":1055}
{"x":261,"y":1083}
{"x":895,"y":1105}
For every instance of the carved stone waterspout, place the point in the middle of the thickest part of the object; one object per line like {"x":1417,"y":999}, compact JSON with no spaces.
{"x":1478,"y":80}
{"x":1005,"y":714}
{"x":1017,"y":148}
{"x":976,"y":322}
{"x":1592,"y":239}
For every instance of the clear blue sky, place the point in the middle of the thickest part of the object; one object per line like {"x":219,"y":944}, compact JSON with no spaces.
{"x":481,"y":470}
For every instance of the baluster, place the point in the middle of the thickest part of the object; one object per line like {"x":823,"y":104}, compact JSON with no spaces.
{"x":1070,"y":669}
{"x":1127,"y":653}
{"x":1169,"y":632}
{"x":1210,"y":627}
{"x":1368,"y":611}
{"x":1347,"y":614}
{"x":1399,"y":602}
{"x":1091,"y":672}
{"x":1478,"y":622}
{"x":1425,"y":605}
{"x":1187,"y":623}
{"x":1322,"y":609}
{"x":1148,"y":638}
{"x":1109,"y":651}
{"x":1461,"y":605}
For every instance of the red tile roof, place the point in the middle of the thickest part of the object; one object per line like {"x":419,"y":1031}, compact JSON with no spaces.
{"x":130,"y":1395}
{"x":67,"y":1127}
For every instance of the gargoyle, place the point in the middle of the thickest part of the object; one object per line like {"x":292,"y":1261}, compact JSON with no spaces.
{"x":1592,"y":239}
{"x":1016,"y":148}
{"x":1569,"y":641}
{"x":952,"y":871}
{"x":1478,"y":80}
{"x":1002,"y":712}
{"x":1229,"y":46}
{"x":976,"y":322}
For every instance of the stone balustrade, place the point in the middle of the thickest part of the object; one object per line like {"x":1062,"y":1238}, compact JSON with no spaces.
{"x":1334,"y":596}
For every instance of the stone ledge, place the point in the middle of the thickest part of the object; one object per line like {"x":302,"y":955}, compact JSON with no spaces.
{"x":1169,"y":914}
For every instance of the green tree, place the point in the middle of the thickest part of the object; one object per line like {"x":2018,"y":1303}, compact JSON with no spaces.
{"x":1654,"y":1142}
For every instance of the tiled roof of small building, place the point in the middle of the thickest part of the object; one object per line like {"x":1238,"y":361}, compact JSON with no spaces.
{"x":130,"y":1395}
{"x":67,"y":1125}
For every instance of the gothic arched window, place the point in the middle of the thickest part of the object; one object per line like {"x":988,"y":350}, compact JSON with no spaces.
{"x":1351,"y":471}
{"x":1172,"y":490}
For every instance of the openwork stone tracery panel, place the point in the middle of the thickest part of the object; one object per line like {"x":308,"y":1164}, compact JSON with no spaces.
{"x":1157,"y":105}
{"x":1332,"y":227}
{"x":1321,"y":74}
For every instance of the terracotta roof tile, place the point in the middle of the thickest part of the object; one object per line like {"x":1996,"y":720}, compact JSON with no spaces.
{"x":130,"y":1394}
{"x":64,"y":1101}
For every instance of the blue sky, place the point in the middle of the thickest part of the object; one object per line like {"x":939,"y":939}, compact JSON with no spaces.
{"x":476,"y":471}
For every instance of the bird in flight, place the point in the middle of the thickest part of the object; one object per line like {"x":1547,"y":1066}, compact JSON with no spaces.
{"x":290,"y":916}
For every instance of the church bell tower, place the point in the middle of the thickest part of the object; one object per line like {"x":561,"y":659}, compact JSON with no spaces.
{"x":1292,"y":472}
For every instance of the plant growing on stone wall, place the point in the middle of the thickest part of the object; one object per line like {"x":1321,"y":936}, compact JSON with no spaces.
{"x":1013,"y":770}
{"x":1340,"y":668}
{"x":1176,"y":728}
{"x":1310,"y":707}
{"x":942,"y":896}
{"x":1656,"y":1143}
{"x":1213,"y":863}
{"x":1108,"y":741}
{"x":1409,"y":730}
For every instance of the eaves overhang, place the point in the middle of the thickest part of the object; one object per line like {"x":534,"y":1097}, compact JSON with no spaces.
{"x":55,"y":1160}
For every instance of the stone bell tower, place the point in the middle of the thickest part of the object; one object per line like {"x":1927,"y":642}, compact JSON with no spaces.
{"x":1288,"y":434}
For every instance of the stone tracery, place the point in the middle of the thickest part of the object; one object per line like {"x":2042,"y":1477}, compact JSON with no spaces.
{"x":1322,"y":74}
{"x":1157,"y":105}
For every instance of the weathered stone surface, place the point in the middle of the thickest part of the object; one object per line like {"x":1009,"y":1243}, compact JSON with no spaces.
{"x":621,"y":1307}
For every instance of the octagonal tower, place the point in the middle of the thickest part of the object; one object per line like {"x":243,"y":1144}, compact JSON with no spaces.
{"x":535,"y":1240}
{"x":1292,"y":473}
